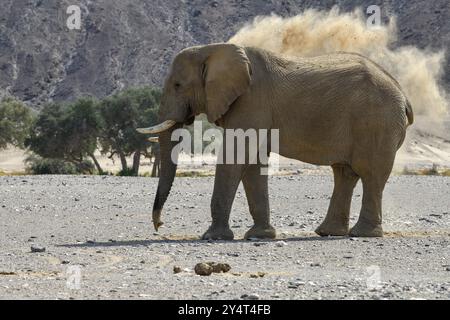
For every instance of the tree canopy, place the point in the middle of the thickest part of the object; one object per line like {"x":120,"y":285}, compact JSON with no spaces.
{"x":15,"y":122}
{"x":67,"y":131}
{"x":122,"y":113}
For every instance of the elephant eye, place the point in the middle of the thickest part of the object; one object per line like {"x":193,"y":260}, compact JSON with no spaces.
{"x":177,"y":85}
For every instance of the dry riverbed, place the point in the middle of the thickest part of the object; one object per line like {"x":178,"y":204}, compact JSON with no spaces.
{"x":99,"y":242}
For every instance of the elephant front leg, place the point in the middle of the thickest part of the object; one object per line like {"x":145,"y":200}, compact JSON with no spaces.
{"x":337,"y":220}
{"x":256,"y":190}
{"x":226,"y":182}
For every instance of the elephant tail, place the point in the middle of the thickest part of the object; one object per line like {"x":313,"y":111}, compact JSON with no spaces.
{"x":409,"y":113}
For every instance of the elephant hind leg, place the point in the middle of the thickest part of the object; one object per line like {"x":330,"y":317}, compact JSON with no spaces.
{"x":337,"y":219}
{"x":374,"y":180}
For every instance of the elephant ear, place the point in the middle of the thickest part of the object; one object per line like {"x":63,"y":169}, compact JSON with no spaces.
{"x":227,"y":75}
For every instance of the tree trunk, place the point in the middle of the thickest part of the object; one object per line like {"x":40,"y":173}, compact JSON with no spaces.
{"x":156,"y":163}
{"x":123,"y":161}
{"x":136,"y":162}
{"x":97,"y":164}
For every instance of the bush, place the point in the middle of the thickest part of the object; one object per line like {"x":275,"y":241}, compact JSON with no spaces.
{"x":128,"y":172}
{"x":38,"y":165}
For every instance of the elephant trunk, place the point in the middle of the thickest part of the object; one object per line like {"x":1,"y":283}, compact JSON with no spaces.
{"x":167,"y":174}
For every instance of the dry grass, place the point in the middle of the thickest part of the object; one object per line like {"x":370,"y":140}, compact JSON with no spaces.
{"x":195,"y":174}
{"x":14,"y":173}
{"x":433,"y":171}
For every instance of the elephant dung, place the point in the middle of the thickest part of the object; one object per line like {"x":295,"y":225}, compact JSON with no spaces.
{"x":220,"y":267}
{"x":205,"y":269}
{"x":177,"y":269}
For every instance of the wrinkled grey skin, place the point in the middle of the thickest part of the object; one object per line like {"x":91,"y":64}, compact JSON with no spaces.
{"x":340,"y":110}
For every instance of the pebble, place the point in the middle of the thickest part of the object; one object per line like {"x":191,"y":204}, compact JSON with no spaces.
{"x":37,"y":249}
{"x":258,"y":244}
{"x":295,"y":284}
{"x":281,"y":244}
{"x":252,"y":296}
{"x":233,"y":254}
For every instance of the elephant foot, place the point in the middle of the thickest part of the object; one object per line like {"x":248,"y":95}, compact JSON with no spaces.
{"x":365,"y":229}
{"x":267,"y":232}
{"x":216,"y":233}
{"x":331,"y":229}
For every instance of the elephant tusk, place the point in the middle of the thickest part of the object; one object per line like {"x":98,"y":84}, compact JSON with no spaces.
{"x":153,"y":139}
{"x":158,"y":128}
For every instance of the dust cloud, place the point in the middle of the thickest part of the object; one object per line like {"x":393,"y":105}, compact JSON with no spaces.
{"x":319,"y":32}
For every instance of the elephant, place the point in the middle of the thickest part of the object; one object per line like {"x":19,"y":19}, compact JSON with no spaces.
{"x":341,"y":110}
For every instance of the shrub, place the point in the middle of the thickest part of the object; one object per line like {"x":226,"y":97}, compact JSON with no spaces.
{"x":38,"y":165}
{"x":128,"y":172}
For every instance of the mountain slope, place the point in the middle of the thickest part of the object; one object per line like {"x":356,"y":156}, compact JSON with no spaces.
{"x":131,"y":42}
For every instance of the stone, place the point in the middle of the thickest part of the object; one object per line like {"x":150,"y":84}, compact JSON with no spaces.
{"x":37,"y":248}
{"x":252,"y":296}
{"x":281,"y":244}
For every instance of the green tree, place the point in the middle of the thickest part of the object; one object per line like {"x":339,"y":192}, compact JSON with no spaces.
{"x":67,"y":132}
{"x":15,"y":122}
{"x":122,"y":113}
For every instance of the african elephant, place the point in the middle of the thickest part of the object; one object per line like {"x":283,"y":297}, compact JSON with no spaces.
{"x":341,"y":110}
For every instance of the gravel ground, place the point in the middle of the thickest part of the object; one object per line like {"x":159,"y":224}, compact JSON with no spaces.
{"x":99,"y":243}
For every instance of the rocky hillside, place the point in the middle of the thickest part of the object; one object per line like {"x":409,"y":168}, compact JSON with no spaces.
{"x":130,"y":42}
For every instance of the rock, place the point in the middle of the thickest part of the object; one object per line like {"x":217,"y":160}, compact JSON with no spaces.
{"x":447,"y":269}
{"x":203,"y":269}
{"x":258,"y":244}
{"x":65,"y":262}
{"x":281,"y":244}
{"x":37,"y":248}
{"x":252,"y":296}
{"x":233,"y":254}
{"x":295,"y":284}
